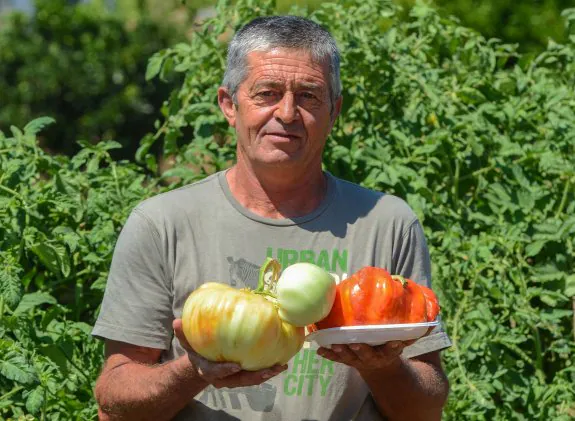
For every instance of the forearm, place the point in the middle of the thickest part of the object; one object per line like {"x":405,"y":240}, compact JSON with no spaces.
{"x":134,"y":391}
{"x":408,"y":390}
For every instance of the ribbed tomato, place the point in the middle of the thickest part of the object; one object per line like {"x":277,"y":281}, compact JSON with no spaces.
{"x":222,"y":323}
{"x":372,"y":296}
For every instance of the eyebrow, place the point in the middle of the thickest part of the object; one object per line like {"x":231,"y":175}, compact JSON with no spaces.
{"x":275,"y":84}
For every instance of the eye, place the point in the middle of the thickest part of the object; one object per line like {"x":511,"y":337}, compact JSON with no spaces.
{"x":266,"y":94}
{"x":308,"y":95}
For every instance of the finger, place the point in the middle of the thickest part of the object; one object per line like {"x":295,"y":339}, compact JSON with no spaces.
{"x":213,"y":371}
{"x":341,"y":353}
{"x":327,"y":354}
{"x":365,"y":353}
{"x":249,"y":378}
{"x":391,"y":349}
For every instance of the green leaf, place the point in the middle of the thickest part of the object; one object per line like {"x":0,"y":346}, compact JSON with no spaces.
{"x":35,"y":400}
{"x":69,"y":237}
{"x":63,"y":260}
{"x":57,"y":356}
{"x":534,"y":248}
{"x":93,"y":164}
{"x":85,"y":328}
{"x":35,"y":126}
{"x":48,"y":255}
{"x":570,"y":286}
{"x":109,"y":145}
{"x":551,"y":299}
{"x":145,"y":144}
{"x":154,"y":65}
{"x":30,"y":301}
{"x":471,"y":96}
{"x":14,"y":366}
{"x":183,"y":172}
{"x":100,"y":283}
{"x":10,"y":284}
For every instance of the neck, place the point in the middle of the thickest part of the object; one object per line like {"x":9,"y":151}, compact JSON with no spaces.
{"x":277,"y":195}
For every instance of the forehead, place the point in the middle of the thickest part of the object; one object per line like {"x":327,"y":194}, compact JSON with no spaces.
{"x":286,"y":65}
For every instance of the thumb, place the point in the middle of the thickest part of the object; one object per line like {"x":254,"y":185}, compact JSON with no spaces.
{"x":179,"y":332}
{"x":218,"y":370}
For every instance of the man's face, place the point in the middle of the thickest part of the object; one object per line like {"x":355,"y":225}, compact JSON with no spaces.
{"x":283,"y":113}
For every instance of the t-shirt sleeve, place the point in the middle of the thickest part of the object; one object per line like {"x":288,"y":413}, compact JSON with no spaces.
{"x":412,"y":261}
{"x":137,"y":304}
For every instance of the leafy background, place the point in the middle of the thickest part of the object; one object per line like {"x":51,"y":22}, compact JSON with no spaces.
{"x":478,"y":137}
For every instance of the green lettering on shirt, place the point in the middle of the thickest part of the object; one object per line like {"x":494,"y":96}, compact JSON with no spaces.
{"x":309,"y":373}
{"x":299,"y":361}
{"x":323,"y":260}
{"x":339,"y":260}
{"x":307,"y":256}
{"x":289,"y":257}
{"x":326,"y":365}
{"x":324,"y":382}
{"x":289,"y":387}
{"x":311,"y":360}
{"x":311,"y":379}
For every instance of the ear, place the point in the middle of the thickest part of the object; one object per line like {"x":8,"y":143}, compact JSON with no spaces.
{"x":336,"y":110}
{"x":227,"y":105}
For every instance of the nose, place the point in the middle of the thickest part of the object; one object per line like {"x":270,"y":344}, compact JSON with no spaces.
{"x":286,"y":110}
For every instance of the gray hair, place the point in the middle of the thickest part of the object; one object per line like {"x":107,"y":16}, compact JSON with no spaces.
{"x":267,"y":33}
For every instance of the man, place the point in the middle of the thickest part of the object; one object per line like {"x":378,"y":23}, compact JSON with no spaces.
{"x":282,"y":94}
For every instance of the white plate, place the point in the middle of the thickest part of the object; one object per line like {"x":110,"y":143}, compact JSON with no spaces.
{"x":371,"y":334}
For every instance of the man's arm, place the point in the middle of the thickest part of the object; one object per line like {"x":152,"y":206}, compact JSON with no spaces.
{"x":132,"y":386}
{"x":410,"y":389}
{"x":403,"y":389}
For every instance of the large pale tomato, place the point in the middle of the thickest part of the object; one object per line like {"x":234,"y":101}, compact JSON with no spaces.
{"x":222,"y":323}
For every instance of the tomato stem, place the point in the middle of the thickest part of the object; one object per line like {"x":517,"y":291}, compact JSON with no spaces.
{"x":268,"y":288}
{"x":400,"y":279}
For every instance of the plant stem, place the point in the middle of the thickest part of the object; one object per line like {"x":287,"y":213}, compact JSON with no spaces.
{"x":456,"y":323}
{"x":539,"y":356}
{"x":400,"y":279}
{"x":44,"y":407}
{"x":455,"y":187}
{"x":13,"y":193}
{"x":492,"y":167}
{"x":274,"y":266}
{"x":573,"y":304}
{"x":563,"y":199}
{"x":12,"y":392}
{"x":116,"y":182}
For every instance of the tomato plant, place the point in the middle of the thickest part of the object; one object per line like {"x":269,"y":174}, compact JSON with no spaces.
{"x":476,"y":137}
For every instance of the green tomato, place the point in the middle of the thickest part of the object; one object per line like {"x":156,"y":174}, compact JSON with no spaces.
{"x":305,"y":294}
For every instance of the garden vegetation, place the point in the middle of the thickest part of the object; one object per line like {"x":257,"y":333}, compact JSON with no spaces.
{"x":480,"y":142}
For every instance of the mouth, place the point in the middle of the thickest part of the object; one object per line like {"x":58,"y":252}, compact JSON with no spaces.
{"x":282,"y":136}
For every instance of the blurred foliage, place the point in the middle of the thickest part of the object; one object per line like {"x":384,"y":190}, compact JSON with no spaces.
{"x":530,"y":24}
{"x":478,"y":139}
{"x":84,"y":67}
{"x":526,"y":22}
{"x":84,"y":64}
{"x":178,"y":14}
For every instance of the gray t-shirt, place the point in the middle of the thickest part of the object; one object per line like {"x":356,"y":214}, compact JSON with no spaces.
{"x":175,"y":241}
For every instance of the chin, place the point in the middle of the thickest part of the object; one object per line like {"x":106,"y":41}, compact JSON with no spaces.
{"x":280,"y":159}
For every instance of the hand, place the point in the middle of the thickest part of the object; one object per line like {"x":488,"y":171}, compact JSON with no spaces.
{"x":222,"y":374}
{"x":364,"y":357}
